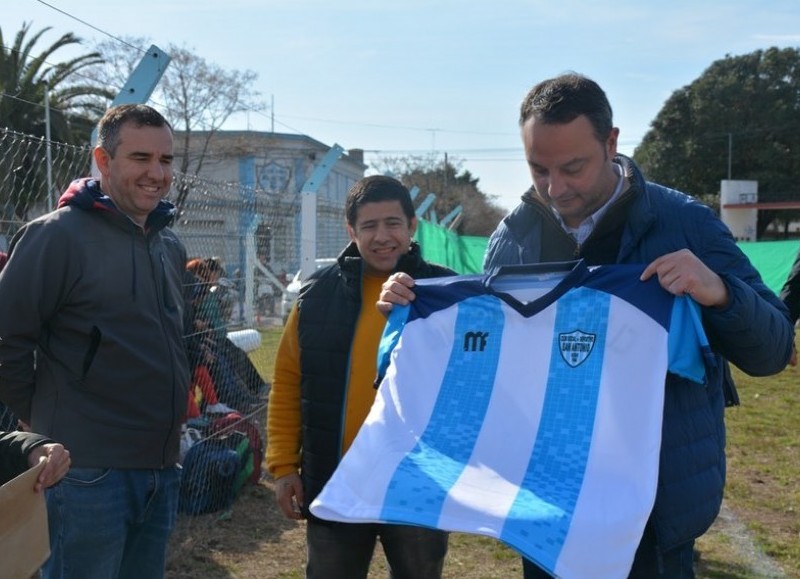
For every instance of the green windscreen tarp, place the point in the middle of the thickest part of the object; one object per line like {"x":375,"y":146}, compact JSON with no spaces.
{"x":772,"y":259}
{"x":464,"y":254}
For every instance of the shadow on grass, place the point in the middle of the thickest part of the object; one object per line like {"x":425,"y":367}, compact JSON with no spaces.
{"x":209,"y":546}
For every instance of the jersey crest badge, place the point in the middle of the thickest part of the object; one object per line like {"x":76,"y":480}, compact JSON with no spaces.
{"x":576,"y":346}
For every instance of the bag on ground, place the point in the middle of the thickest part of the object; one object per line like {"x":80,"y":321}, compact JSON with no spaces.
{"x":211,"y":476}
{"x":235,"y":422}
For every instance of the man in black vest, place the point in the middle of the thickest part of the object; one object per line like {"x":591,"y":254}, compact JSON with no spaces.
{"x":323,"y":386}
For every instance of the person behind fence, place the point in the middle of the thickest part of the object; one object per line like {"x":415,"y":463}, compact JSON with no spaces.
{"x":587,"y":201}
{"x":20,"y":451}
{"x":224,"y":289}
{"x":222,"y":286}
{"x":211,"y":339}
{"x":323,"y":388}
{"x":93,"y":293}
{"x":202,"y":390}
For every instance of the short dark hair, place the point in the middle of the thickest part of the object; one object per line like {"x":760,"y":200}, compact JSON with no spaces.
{"x":562,"y":99}
{"x":109,"y":126}
{"x":377,"y":188}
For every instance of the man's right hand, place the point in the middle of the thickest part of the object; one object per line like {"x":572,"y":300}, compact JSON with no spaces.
{"x":395,"y":290}
{"x":289,"y":494}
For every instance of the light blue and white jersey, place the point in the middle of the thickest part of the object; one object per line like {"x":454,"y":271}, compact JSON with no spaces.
{"x":525,"y":406}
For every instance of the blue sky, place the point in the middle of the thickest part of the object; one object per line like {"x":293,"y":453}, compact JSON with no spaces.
{"x":420,"y":77}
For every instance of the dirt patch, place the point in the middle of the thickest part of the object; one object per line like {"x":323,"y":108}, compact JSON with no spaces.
{"x":760,"y":564}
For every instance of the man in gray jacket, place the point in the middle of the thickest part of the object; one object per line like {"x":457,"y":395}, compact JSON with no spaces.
{"x":92,"y":354}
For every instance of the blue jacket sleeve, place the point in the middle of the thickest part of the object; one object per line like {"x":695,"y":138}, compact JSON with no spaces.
{"x":753,"y":331}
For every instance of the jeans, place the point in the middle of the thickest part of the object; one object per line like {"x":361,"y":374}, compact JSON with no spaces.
{"x":344,"y":550}
{"x":677,"y":563}
{"x":111,"y":523}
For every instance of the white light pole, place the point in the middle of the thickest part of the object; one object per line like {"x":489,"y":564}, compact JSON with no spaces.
{"x":47,"y":147}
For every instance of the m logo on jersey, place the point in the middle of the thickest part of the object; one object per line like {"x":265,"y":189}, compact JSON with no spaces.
{"x":475,"y":341}
{"x":575,"y":346}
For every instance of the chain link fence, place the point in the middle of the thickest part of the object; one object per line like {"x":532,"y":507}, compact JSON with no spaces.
{"x":244,"y":245}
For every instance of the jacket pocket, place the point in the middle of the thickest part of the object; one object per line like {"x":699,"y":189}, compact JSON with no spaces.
{"x":170,"y":304}
{"x":95,"y":336}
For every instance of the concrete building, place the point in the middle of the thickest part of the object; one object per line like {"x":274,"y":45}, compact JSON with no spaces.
{"x":244,"y":187}
{"x":243,"y":180}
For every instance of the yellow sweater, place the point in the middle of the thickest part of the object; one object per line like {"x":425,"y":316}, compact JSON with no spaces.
{"x":283,"y":411}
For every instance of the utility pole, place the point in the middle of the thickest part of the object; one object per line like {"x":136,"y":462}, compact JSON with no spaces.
{"x":730,"y":153}
{"x":48,"y":147}
{"x":445,"y":173}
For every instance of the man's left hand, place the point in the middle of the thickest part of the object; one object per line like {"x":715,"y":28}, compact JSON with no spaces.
{"x":58,"y":462}
{"x":682,"y":273}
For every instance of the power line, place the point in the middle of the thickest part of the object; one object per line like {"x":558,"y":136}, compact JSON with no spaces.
{"x":137,"y":48}
{"x":272,"y":117}
{"x":398,"y":127}
{"x":101,"y":31}
{"x":260,"y":113}
{"x":22,"y":100}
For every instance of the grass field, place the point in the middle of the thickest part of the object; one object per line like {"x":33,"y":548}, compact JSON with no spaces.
{"x":758,"y":534}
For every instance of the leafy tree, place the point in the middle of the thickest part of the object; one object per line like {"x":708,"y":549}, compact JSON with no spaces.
{"x":743,"y":111}
{"x":479,"y":216}
{"x":26,"y":75}
{"x":196,"y":96}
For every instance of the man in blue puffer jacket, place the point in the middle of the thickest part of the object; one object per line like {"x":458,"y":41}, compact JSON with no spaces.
{"x":587,"y":202}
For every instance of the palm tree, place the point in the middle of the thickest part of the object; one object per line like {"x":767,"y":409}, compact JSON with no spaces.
{"x":24,"y":78}
{"x":74,"y":106}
